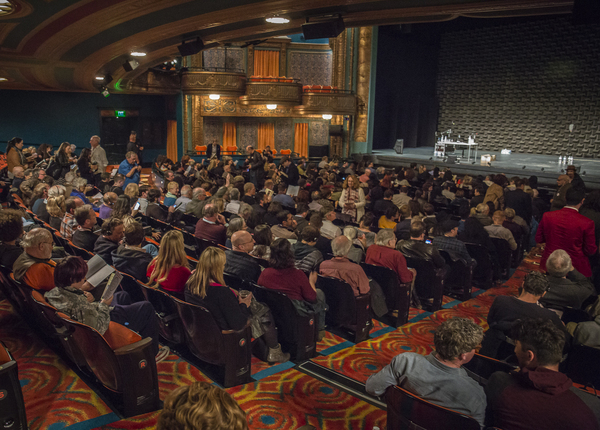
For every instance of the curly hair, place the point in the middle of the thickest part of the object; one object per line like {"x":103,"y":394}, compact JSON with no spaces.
{"x":536,"y":283}
{"x":456,"y":336}
{"x":11,"y":225}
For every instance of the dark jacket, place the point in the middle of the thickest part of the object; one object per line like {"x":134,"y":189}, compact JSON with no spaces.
{"x":104,"y":248}
{"x":521,"y":202}
{"x":419,"y":249}
{"x":134,"y":262}
{"x":570,"y":291}
{"x":242,"y":265}
{"x":292,"y":175}
{"x":9,"y":254}
{"x":308,"y":258}
{"x":155,"y":211}
{"x":85,"y":239}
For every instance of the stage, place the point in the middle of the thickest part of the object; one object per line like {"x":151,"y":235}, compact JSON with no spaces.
{"x":545,"y":167}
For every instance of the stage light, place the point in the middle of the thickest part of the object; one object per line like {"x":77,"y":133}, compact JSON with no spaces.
{"x":138,"y":54}
{"x":214,"y":96}
{"x":130,"y":65}
{"x":104,"y":91}
{"x":327,"y":116}
{"x":277,"y":20}
{"x":271,"y":107}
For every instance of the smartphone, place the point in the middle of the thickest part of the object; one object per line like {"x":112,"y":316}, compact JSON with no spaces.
{"x":428,"y":241}
{"x":136,"y":207}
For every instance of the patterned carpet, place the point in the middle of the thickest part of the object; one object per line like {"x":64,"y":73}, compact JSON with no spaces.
{"x":281,"y":398}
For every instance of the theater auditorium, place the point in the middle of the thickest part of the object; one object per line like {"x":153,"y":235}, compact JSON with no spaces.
{"x":261,"y":214}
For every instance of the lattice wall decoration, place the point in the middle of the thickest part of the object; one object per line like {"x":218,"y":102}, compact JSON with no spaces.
{"x":520,"y":86}
{"x":312,"y":68}
{"x":284,"y":134}
{"x":318,"y":133}
{"x":213,"y":130}
{"x":235,"y":60}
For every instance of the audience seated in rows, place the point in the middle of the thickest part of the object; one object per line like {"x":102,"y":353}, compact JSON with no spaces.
{"x":416,"y":247}
{"x":111,"y":234}
{"x":130,"y":257}
{"x":69,"y":223}
{"x":383,"y":253}
{"x":35,"y":266}
{"x":169,"y":270}
{"x":238,"y":260}
{"x":566,"y":286}
{"x":498,"y":231}
{"x":84,"y":237}
{"x":212,"y":225}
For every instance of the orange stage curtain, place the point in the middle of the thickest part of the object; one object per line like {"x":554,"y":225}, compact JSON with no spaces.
{"x":266,"y":135}
{"x":172,"y":139}
{"x":301,"y":139}
{"x":266,"y":63}
{"x":229,"y":135}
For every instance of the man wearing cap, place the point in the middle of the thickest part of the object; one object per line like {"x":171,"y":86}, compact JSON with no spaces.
{"x":449,"y":243}
{"x":576,"y":181}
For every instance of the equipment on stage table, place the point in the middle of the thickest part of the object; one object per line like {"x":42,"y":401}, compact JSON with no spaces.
{"x":399,"y":146}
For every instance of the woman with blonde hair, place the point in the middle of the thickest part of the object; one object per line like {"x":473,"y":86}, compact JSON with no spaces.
{"x":481,"y":213}
{"x":169,"y":270}
{"x":352,"y":199}
{"x":133,"y":192}
{"x":206,"y":287}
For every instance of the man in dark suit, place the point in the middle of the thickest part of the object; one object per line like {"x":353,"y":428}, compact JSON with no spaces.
{"x":134,"y":145}
{"x":567,"y":229}
{"x":213,"y":150}
{"x":520,"y":201}
{"x":291,"y":172}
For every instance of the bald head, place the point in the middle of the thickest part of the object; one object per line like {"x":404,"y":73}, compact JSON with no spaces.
{"x":242,"y":241}
{"x":341,"y":246}
{"x":199,"y":193}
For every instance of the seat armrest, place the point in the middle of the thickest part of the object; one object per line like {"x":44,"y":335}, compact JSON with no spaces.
{"x":127,"y":349}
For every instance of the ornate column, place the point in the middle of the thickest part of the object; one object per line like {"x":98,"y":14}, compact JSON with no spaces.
{"x":363,"y":78}
{"x":250,"y":68}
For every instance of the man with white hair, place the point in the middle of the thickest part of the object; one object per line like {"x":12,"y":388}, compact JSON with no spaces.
{"x":184,"y":199}
{"x":196,"y":206}
{"x":234,"y":203}
{"x":567,"y":287}
{"x":98,"y":154}
{"x":130,"y":169}
{"x":341,"y":268}
{"x":34,"y":266}
{"x":383,"y":253}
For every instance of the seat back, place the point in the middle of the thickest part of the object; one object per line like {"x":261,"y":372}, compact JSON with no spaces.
{"x":405,"y":411}
{"x":12,"y":406}
{"x":504,"y":255}
{"x":583,"y":365}
{"x":483,"y":367}
{"x":397,"y":295}
{"x":171,"y":327}
{"x":459,"y":280}
{"x":345,"y":309}
{"x":429,"y":283}
{"x":237,"y":283}
{"x":80,"y":252}
{"x":130,"y":285}
{"x":484,"y":270}
{"x":9,"y":289}
{"x":202,"y":244}
{"x":122,"y":361}
{"x":157,"y":224}
{"x":297,"y":333}
{"x":229,"y":349}
{"x":23,"y":296}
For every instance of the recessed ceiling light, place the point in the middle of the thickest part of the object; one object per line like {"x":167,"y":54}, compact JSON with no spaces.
{"x":278,"y":20}
{"x":3,"y":79}
{"x":99,"y":78}
{"x":327,"y":116}
{"x":271,"y":107}
{"x":214,"y":96}
{"x":138,"y":54}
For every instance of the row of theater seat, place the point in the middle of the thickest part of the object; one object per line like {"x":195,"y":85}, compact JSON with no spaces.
{"x":232,"y":150}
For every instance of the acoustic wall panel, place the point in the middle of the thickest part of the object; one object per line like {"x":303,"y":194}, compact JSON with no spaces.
{"x":519,"y":87}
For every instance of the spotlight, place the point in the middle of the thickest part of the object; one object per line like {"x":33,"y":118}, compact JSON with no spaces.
{"x":138,"y":54}
{"x":130,"y":65}
{"x":106,"y":79}
{"x":190,"y":47}
{"x":214,"y":96}
{"x":271,"y":107}
{"x":277,"y":20}
{"x":104,"y":91}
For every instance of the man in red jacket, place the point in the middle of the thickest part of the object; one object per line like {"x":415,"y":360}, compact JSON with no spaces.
{"x":567,"y":229}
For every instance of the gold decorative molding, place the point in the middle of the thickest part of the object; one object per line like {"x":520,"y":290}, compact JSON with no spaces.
{"x":338,"y":47}
{"x":328,"y":103}
{"x":231,"y":107}
{"x":198,"y":82}
{"x":363,"y":77}
{"x":294,"y":46}
{"x":280,"y":93}
{"x":250,"y":66}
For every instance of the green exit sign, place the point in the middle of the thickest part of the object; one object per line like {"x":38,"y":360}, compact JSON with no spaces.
{"x":120,"y":113}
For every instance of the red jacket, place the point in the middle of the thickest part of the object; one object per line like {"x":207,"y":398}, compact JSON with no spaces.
{"x":570,"y":231}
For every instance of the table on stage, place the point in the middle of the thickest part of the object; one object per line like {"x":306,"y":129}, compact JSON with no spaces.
{"x":440,"y":149}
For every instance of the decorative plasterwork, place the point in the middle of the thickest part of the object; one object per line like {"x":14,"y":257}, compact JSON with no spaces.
{"x":280,"y":93}
{"x":230,"y":106}
{"x":222,"y":83}
{"x":335,"y":104}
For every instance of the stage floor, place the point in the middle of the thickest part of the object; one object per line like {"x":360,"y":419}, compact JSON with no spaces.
{"x":545,"y":167}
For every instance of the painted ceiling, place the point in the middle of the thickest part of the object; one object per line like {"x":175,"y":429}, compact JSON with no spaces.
{"x":61,"y":45}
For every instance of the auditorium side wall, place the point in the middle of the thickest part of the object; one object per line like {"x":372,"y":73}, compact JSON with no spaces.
{"x":55,"y":117}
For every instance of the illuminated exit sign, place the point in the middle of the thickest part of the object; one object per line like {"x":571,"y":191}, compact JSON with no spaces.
{"x":120,"y":114}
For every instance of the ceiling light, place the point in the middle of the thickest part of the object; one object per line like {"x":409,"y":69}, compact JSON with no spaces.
{"x":214,"y":96}
{"x":278,"y":20}
{"x":138,"y":54}
{"x":271,"y":107}
{"x":327,"y":116}
{"x":99,"y":78}
{"x":3,"y":79}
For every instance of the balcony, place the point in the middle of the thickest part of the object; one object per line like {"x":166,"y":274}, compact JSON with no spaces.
{"x":318,"y":99}
{"x":225,"y":82}
{"x":281,"y":91}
